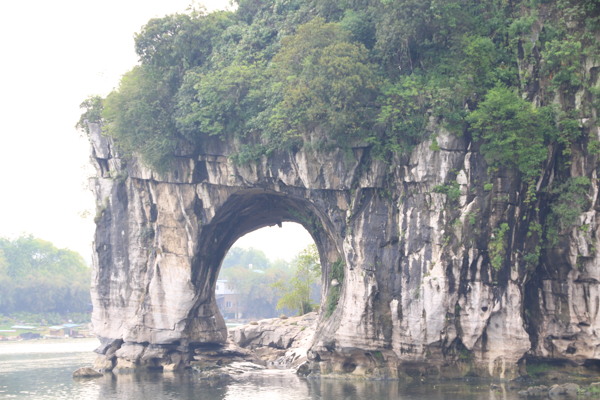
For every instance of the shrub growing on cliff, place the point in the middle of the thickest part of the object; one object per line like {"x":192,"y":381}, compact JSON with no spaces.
{"x":567,"y":201}
{"x":497,"y":246}
{"x":333,"y":295}
{"x":220,"y":102}
{"x":93,"y":107}
{"x":274,"y":73}
{"x":139,"y":116}
{"x":512,"y":131}
{"x":323,"y":79}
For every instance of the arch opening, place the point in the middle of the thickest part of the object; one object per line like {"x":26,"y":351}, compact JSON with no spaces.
{"x":267,"y":272}
{"x":244,"y":212}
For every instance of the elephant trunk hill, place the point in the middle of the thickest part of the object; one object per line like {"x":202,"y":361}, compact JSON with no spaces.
{"x":444,"y":161}
{"x":418,"y":290}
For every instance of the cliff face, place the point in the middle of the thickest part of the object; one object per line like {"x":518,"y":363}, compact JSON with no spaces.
{"x":446,"y":266}
{"x":442,"y":271}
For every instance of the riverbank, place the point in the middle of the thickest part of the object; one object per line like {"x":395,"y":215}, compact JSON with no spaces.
{"x":46,"y":375}
{"x":48,"y":346}
{"x":278,"y":342}
{"x":283,"y":343}
{"x":24,"y":332}
{"x":28,"y":326}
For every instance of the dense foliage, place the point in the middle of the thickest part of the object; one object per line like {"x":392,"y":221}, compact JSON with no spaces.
{"x":279,"y":75}
{"x":251,"y":275}
{"x":36,"y":277}
{"x":376,"y":70}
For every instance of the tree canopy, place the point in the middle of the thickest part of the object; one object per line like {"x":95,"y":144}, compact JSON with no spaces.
{"x":297,"y":292}
{"x":252,"y":276}
{"x":37,"y":277}
{"x":512,"y":78}
{"x":371,"y":70}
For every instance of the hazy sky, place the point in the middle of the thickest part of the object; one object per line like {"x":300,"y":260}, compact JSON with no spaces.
{"x":54,"y":55}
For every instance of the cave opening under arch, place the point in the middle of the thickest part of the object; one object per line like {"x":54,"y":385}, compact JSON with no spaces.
{"x":244,"y":212}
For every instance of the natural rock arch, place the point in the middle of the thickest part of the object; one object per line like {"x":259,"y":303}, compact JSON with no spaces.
{"x":247,"y":210}
{"x":419,"y":294}
{"x":160,"y":242}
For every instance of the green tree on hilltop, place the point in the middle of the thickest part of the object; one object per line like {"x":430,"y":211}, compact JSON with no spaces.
{"x":323,"y":80}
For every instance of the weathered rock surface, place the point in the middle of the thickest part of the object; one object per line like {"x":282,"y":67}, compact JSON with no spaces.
{"x":419,"y":294}
{"x":566,"y":390}
{"x":86,"y":372}
{"x":279,"y":342}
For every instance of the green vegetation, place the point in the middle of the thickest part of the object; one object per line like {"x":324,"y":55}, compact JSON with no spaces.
{"x":296,"y":292}
{"x":275,"y":73}
{"x":267,"y":286}
{"x":452,"y":190}
{"x":255,"y":284}
{"x":324,"y":80}
{"x":568,"y":200}
{"x":281,"y":75}
{"x":36,"y":277}
{"x":536,"y":369}
{"x":513,"y":132}
{"x":93,"y":107}
{"x":333,"y":295}
{"x":592,"y":390}
{"x":497,"y":246}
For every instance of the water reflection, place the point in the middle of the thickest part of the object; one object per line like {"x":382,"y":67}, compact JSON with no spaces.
{"x":155,"y":386}
{"x":26,"y":373}
{"x":376,"y":390}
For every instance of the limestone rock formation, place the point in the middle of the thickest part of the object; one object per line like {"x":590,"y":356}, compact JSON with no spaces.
{"x":280,"y":342}
{"x":419,"y":293}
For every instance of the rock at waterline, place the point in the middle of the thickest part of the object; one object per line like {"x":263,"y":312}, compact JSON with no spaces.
{"x":86,"y":372}
{"x":278,"y":342}
{"x":567,"y":390}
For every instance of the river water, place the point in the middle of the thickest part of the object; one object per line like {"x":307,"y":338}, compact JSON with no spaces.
{"x":42,"y":369}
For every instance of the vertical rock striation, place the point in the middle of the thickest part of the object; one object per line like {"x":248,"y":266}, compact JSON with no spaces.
{"x":442,"y":274}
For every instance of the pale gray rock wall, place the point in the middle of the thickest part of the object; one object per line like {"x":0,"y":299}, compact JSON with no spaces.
{"x":419,"y":293}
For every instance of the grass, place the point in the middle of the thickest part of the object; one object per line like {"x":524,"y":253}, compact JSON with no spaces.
{"x":536,"y":369}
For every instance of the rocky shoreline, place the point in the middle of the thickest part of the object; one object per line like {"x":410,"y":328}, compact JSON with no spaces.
{"x":283,"y":343}
{"x":276,"y":343}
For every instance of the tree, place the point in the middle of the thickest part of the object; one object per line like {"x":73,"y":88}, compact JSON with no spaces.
{"x":513,"y":132}
{"x":242,"y":257}
{"x":139,"y":116}
{"x":254,"y":286}
{"x":92,"y":107}
{"x":296,"y":293}
{"x":323,"y":80}
{"x":181,"y":41}
{"x":37,"y":277}
{"x":220,"y":102}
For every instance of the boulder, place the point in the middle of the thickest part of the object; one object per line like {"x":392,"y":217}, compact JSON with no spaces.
{"x":279,"y":342}
{"x":569,"y":390}
{"x":86,"y":372}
